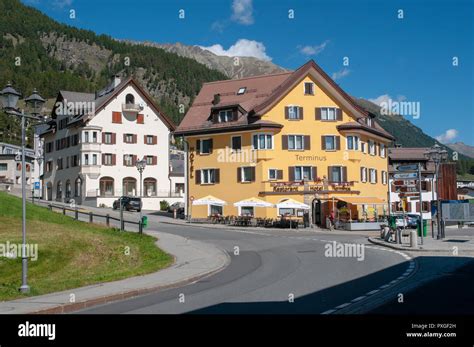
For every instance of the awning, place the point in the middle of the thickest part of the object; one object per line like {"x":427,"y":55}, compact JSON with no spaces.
{"x":360,"y":200}
{"x":290,"y":203}
{"x":253,"y":202}
{"x":209,"y":200}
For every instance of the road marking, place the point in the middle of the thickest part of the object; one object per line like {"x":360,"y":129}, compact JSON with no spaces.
{"x":328,"y":312}
{"x":358,"y":299}
{"x":373,"y":292}
{"x":343,"y":305}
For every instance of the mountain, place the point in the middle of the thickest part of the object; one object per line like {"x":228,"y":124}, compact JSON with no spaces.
{"x":232,"y":67}
{"x":462,"y":148}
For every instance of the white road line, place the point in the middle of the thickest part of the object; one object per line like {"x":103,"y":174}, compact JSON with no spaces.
{"x":343,"y":305}
{"x":328,"y":312}
{"x":358,"y":299}
{"x":373,"y":292}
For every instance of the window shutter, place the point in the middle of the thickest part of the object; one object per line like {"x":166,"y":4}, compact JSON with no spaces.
{"x":215,"y":116}
{"x":198,"y":146}
{"x":210,"y":146}
{"x":103,"y":159}
{"x":338,"y":142}
{"x":286,"y":112}
{"x":155,"y":160}
{"x":284,"y":142}
{"x":314,"y":170}
{"x":123,"y":160}
{"x":307,"y":142}
{"x":155,"y":140}
{"x":116,"y":117}
{"x":134,"y":159}
{"x":291,"y":173}
{"x":217,"y":175}
{"x":300,"y":112}
{"x":197,"y":177}
{"x":140,"y":119}
{"x":114,"y":138}
{"x":362,"y":174}
{"x":317,"y":113}
{"x":330,"y":173}
{"x":417,"y":206}
{"x":338,"y":114}
{"x":428,"y":186}
{"x":144,"y":139}
{"x":344,"y":174}
{"x":279,"y":174}
{"x":409,"y":207}
{"x":124,"y":138}
{"x":252,"y":174}
{"x":114,"y":159}
{"x":239,"y":174}
{"x":376,"y":174}
{"x":134,"y":138}
{"x":323,"y":142}
{"x":103,"y":137}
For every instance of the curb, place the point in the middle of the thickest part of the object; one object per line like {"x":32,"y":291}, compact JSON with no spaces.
{"x":407,"y":249}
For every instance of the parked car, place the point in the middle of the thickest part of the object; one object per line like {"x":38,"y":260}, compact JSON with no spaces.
{"x":413,"y":220}
{"x":401,"y":221}
{"x":128,"y":203}
{"x":178,"y":206}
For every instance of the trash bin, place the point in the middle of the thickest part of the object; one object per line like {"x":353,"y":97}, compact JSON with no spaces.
{"x":425,"y":233}
{"x":392,"y":222}
{"x":144,"y":221}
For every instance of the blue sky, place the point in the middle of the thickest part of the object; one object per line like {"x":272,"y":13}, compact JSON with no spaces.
{"x":406,"y":59}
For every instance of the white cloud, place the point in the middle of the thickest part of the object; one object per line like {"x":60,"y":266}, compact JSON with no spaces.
{"x":312,"y":50}
{"x":340,"y":74}
{"x":448,"y":136}
{"x":242,"y":12}
{"x":242,"y":48}
{"x":384,"y":99}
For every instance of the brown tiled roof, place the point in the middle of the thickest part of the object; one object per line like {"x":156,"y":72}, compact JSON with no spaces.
{"x":376,"y":129}
{"x":407,"y":153}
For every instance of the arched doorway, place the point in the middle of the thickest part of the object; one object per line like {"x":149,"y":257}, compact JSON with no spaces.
{"x":68,"y":189}
{"x":78,"y":187}
{"x":59,"y":191}
{"x":317,"y":212}
{"x":106,"y":186}
{"x":149,"y":185}
{"x":129,"y":186}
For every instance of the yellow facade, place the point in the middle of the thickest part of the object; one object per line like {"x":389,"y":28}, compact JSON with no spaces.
{"x":230,"y":190}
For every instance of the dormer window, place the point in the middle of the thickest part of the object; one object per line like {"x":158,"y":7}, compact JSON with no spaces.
{"x":129,"y":99}
{"x":368,"y":121}
{"x":241,"y":90}
{"x":225,"y":116}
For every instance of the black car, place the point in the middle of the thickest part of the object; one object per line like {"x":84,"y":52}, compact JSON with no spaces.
{"x":128,"y":203}
{"x":413,"y":220}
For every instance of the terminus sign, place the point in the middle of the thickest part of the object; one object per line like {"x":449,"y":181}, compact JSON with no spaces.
{"x":318,"y":186}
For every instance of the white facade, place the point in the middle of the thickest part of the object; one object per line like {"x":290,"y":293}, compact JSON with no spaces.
{"x":10,"y":167}
{"x":107,"y":149}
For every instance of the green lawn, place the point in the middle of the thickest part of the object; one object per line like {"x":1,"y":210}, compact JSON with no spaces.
{"x":71,"y":254}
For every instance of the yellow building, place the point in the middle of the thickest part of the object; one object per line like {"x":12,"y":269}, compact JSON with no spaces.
{"x":287,"y":137}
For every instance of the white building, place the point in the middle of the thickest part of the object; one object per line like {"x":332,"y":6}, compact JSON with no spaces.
{"x":94,"y":141}
{"x":10,"y":168}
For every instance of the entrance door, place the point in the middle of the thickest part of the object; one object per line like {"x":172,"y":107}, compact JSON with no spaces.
{"x":317,"y":218}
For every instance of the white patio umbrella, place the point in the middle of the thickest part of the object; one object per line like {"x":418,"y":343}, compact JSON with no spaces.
{"x":253,"y":202}
{"x":209,"y":200}
{"x":290,"y":203}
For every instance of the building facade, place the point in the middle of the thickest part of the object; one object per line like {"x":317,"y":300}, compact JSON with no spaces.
{"x":10,"y":167}
{"x":293,"y":136}
{"x":95,"y":140}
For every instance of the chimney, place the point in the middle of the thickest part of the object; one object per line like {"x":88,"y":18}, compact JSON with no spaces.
{"x":115,"y":81}
{"x":398,"y":145}
{"x":217,"y":99}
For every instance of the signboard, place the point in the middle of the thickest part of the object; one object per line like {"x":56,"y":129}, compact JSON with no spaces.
{"x":412,"y":167}
{"x":404,"y":195}
{"x":407,"y":175}
{"x":37,"y":185}
{"x":406,"y":183}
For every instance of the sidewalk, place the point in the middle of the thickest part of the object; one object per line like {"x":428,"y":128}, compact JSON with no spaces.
{"x":193,"y":260}
{"x":464,"y":244}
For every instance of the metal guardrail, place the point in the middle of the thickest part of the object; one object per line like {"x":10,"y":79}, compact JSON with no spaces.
{"x":91,"y":216}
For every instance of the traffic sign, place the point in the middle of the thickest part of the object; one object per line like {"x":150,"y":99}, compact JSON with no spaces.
{"x":406,"y":175}
{"x":37,"y":185}
{"x":412,"y":167}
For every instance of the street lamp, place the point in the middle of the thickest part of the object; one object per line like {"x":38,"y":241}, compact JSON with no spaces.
{"x":437,"y":155}
{"x":9,"y":98}
{"x":141,"y":164}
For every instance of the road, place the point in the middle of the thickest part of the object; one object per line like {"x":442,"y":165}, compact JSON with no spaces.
{"x":287,"y":271}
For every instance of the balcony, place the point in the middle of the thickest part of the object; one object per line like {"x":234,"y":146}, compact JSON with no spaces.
{"x":93,"y":171}
{"x":132,"y":108}
{"x":263,"y":154}
{"x":90,"y":147}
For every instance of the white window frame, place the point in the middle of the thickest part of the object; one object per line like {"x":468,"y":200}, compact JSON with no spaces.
{"x":327,"y":108}
{"x":266,"y":141}
{"x":383,"y":150}
{"x":355,"y":142}
{"x":374,"y":171}
{"x":86,"y":159}
{"x":241,"y":90}
{"x":242,"y":175}
{"x":209,"y":207}
{"x":226,"y":113}
{"x":294,"y":142}
{"x":201,"y":145}
{"x":149,"y":137}
{"x":270,"y":176}
{"x":363,"y":179}
{"x":107,"y":134}
{"x":106,"y":161}
{"x":95,"y":159}
{"x":301,"y":167}
{"x":384,"y":177}
{"x":334,"y":143}
{"x":371,"y":147}
{"x":340,"y":172}
{"x":127,"y":158}
{"x":209,"y":170}
{"x":368,"y":121}
{"x":253,"y":210}
{"x":312,"y":88}
{"x":296,"y":112}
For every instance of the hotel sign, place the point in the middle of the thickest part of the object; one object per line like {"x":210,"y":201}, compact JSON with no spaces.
{"x":285,"y":187}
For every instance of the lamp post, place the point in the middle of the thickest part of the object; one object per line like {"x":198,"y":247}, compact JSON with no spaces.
{"x":9,"y":99}
{"x":141,"y":164}
{"x":437,"y":154}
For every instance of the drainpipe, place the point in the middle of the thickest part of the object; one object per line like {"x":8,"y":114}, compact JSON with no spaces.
{"x":186,"y":180}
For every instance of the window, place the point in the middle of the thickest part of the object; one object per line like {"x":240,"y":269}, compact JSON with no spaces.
{"x":247,"y":174}
{"x":225,"y":116}
{"x":368,"y":121}
{"x":241,"y":90}
{"x":3,"y":166}
{"x":94,"y":136}
{"x":296,"y":142}
{"x":328,"y":113}
{"x":353,"y":143}
{"x":67,"y":162}
{"x":236,"y":143}
{"x":208,"y":176}
{"x":77,"y":187}
{"x":94,"y":159}
{"x":309,"y":88}
{"x":272,"y":174}
{"x":129,"y":99}
{"x":59,"y":190}
{"x":59,"y":164}
{"x":263,"y":141}
{"x":205,"y":146}
{"x":108,"y":138}
{"x":86,"y":136}
{"x":362,"y":147}
{"x":303,"y":172}
{"x":107,"y":159}
{"x":129,"y":185}
{"x":151,"y":160}
{"x":382,"y":150}
{"x":49,"y":166}
{"x":215,"y":209}
{"x":246,"y":211}
{"x":128,"y":160}
{"x":74,"y":160}
{"x":128,"y":138}
{"x":336,"y":174}
{"x":371,"y":147}
{"x":293,"y":112}
{"x":86,"y":159}
{"x":363,"y":174}
{"x":116,"y":117}
{"x":149,"y":185}
{"x":330,"y":143}
{"x":149,"y":140}
{"x":68,"y":189}
{"x":106,"y":185}
{"x":373,"y":175}
{"x":384,"y":177}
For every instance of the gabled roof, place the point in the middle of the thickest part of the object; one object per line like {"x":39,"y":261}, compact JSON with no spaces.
{"x":102,"y":101}
{"x":262,"y":93}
